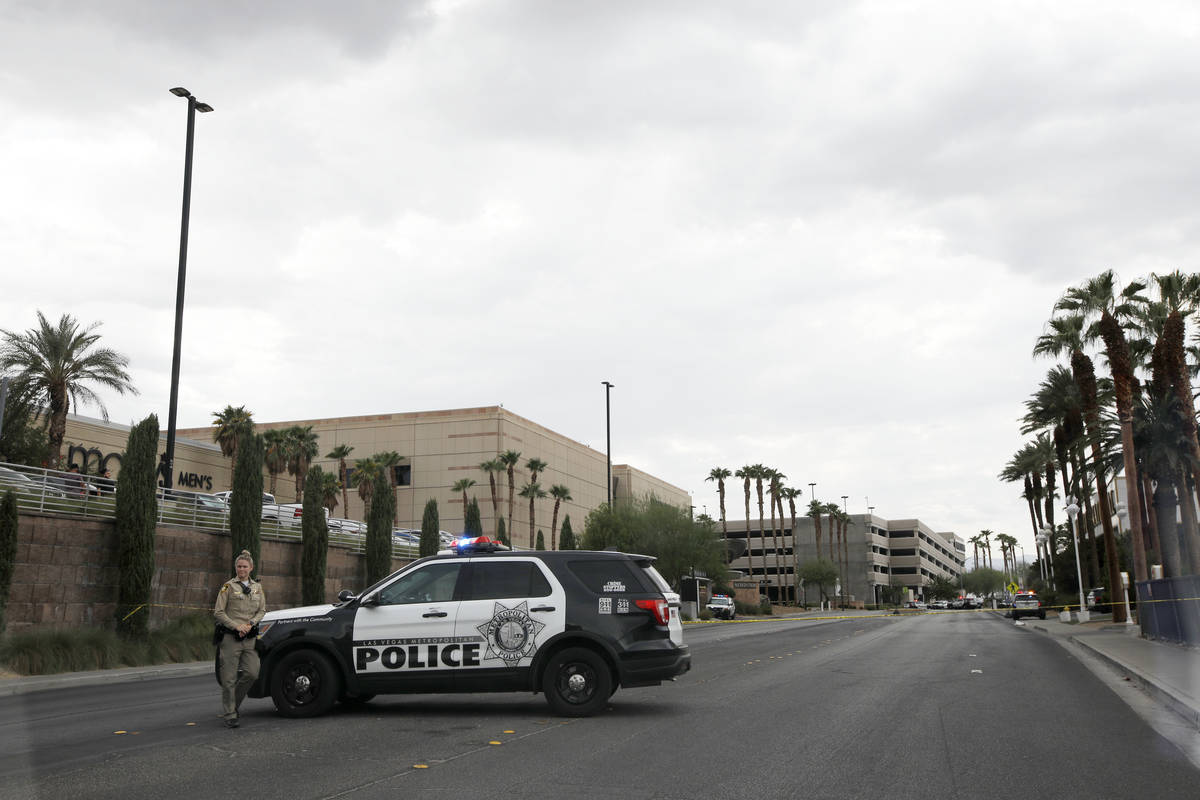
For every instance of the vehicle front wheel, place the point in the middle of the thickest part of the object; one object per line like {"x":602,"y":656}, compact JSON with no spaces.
{"x":356,"y":699}
{"x":304,"y":684}
{"x":1041,"y":615}
{"x":577,"y":682}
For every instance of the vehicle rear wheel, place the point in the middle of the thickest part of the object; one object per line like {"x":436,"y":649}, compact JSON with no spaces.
{"x":304,"y":684}
{"x":1041,"y":615}
{"x":577,"y":682}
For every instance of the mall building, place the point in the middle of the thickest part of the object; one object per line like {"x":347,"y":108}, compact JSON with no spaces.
{"x":880,"y":552}
{"x":438,"y":447}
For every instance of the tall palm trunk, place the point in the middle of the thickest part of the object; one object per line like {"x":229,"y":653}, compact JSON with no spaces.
{"x":1173,"y":332}
{"x":1151,"y":518}
{"x":1085,"y":376}
{"x":724,"y":526}
{"x":846,"y":557}
{"x":1034,"y":517}
{"x":762,"y":534}
{"x":775,"y":541}
{"x":511,"y":488}
{"x":1122,"y":372}
{"x":749,"y":550}
{"x":554,"y":524}
{"x":495,"y":502}
{"x":795,"y":552}
{"x":345,"y":491}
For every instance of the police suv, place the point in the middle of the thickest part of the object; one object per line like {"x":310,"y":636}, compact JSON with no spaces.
{"x":574,"y":625}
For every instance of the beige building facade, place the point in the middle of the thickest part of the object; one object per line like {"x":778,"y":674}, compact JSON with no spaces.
{"x":438,"y":449}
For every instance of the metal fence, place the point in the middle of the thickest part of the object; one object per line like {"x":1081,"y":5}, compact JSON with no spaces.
{"x":74,"y":494}
{"x":1169,"y":609}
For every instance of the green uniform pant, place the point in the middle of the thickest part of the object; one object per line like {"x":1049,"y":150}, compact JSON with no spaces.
{"x":236,"y":655}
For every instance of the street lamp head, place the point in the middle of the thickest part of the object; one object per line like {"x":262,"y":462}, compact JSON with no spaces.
{"x":203,"y":108}
{"x":179,"y":91}
{"x":1072,"y":511}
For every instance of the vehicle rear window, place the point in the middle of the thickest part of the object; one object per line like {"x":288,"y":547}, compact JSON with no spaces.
{"x":497,"y":580}
{"x":607,"y":576}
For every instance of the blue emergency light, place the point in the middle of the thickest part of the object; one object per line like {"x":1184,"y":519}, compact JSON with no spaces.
{"x":477,"y":544}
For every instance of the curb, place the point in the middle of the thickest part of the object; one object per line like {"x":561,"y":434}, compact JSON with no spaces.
{"x":1179,"y":705}
{"x":67,"y":680}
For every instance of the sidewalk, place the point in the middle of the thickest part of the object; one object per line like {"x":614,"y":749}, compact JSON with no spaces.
{"x":1170,"y":673}
{"x":13,"y":685}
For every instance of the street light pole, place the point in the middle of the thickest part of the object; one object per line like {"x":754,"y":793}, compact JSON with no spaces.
{"x":845,"y":507}
{"x":608,"y":436}
{"x":193,"y":106}
{"x":1072,"y":512}
{"x":812,"y":491}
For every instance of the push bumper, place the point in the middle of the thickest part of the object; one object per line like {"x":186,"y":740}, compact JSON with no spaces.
{"x":650,"y":668}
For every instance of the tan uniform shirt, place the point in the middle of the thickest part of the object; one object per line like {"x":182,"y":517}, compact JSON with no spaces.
{"x":234,"y":607}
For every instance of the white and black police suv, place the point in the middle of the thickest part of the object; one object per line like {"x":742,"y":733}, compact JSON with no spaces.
{"x":574,"y":625}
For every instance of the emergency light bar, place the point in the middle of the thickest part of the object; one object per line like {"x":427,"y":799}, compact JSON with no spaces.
{"x":477,"y":544}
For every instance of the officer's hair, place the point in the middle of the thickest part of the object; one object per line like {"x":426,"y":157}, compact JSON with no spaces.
{"x":244,"y":556}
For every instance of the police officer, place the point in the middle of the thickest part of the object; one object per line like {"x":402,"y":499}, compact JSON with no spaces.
{"x":240,"y":606}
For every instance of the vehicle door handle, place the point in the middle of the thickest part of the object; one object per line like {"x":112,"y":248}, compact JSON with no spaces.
{"x":434,"y":614}
{"x":542,"y":608}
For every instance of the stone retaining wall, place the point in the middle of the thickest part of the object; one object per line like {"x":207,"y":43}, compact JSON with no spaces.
{"x":66,"y":572}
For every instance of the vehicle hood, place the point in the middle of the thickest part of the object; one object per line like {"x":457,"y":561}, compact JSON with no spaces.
{"x":298,"y":613}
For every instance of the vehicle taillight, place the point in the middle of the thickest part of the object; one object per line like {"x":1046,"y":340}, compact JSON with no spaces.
{"x":297,"y":513}
{"x":659,"y":608}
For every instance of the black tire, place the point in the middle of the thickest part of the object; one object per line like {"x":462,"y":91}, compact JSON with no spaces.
{"x":356,"y":699}
{"x":577,"y":682}
{"x":304,"y":684}
{"x":1041,"y":615}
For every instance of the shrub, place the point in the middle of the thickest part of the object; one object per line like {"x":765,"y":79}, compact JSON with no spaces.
{"x":135,"y":523}
{"x":430,"y":526}
{"x":245,"y":506}
{"x":315,"y":538}
{"x":746,"y":609}
{"x":764,"y":607}
{"x":9,"y":520}
{"x":567,"y":540}
{"x":46,"y":652}
{"x":502,"y":532}
{"x":540,"y":543}
{"x":379,"y":529}
{"x":473,"y":523}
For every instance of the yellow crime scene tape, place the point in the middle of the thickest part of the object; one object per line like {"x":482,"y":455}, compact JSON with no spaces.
{"x":906,"y":612}
{"x":164,"y":605}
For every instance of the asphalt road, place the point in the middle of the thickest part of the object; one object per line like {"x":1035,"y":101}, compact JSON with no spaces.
{"x":933,"y":706}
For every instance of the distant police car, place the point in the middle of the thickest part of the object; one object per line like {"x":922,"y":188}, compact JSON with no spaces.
{"x":721,"y":606}
{"x":574,"y":625}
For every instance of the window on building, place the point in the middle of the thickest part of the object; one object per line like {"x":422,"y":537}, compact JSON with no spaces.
{"x":904,"y":551}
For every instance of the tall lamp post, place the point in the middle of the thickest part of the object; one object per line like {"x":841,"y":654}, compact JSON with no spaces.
{"x":812,"y":491}
{"x":1073,"y":512}
{"x":608,"y":436}
{"x":1123,"y":516}
{"x":845,"y":506}
{"x":194,"y":105}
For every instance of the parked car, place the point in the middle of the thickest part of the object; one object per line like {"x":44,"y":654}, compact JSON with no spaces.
{"x":26,"y":484}
{"x":267,"y":497}
{"x":917,"y":604}
{"x":939,"y":605}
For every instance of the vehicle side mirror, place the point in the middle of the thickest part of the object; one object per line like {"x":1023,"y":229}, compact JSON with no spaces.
{"x":368,"y":602}
{"x":345,"y":595}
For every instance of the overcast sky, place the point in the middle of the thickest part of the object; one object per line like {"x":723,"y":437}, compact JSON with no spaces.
{"x":819,"y":236}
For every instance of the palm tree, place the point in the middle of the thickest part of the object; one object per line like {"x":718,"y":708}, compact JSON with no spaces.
{"x":509,"y":459}
{"x":560,"y":493}
{"x":461,"y":485}
{"x":790,"y":495}
{"x":719,"y":474}
{"x":491,"y":467}
{"x":363,"y":477}
{"x":230,"y":423}
{"x":339,"y":454}
{"x":1099,"y":297}
{"x":759,"y":473}
{"x":533,"y":491}
{"x":387,"y":460}
{"x":815,"y":510}
{"x":302,"y":448}
{"x":775,"y":483}
{"x":977,"y":541}
{"x":1066,"y":336}
{"x":535,"y":466}
{"x":275,"y":455}
{"x":331,"y":486}
{"x":986,"y":536}
{"x":54,"y":366}
{"x":745,"y":473}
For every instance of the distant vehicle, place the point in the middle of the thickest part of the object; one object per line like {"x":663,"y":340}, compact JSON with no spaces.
{"x":1097,"y":600}
{"x":20,"y":482}
{"x":267,"y":497}
{"x":721,"y":606}
{"x":337,"y":525}
{"x":956,"y":602}
{"x":917,"y":604}
{"x":939,"y":605}
{"x":288,"y":514}
{"x":1027,"y":604}
{"x":406,"y":536}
